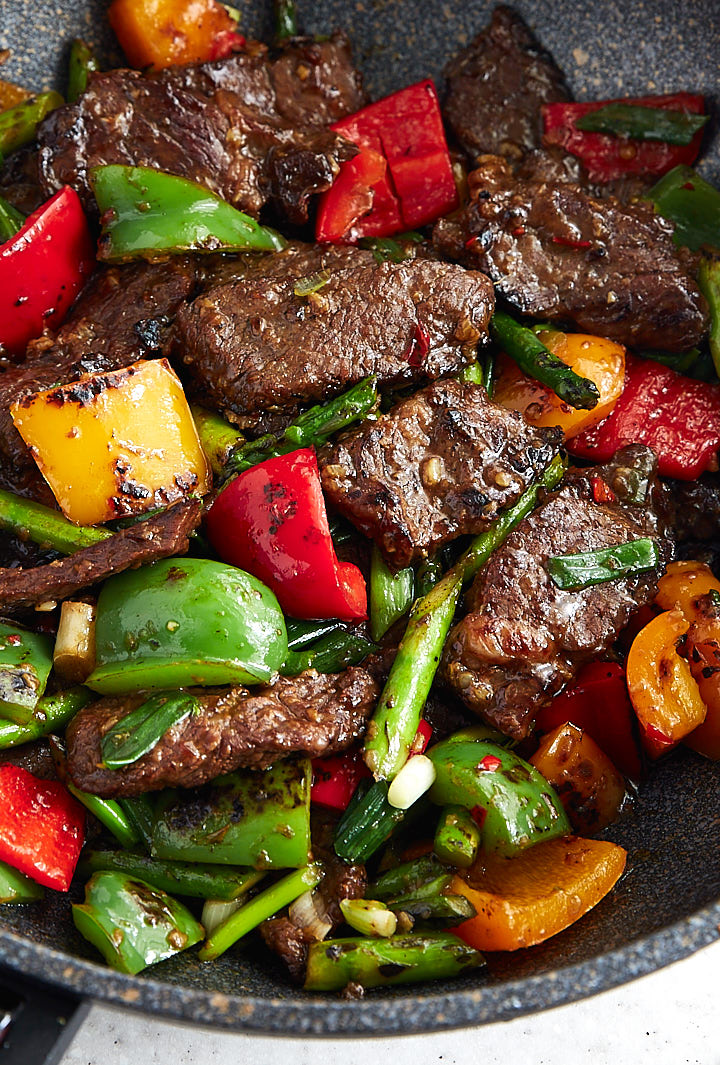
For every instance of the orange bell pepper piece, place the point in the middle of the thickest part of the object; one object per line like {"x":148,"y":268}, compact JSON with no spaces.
{"x":525,"y":900}
{"x":162,"y":33}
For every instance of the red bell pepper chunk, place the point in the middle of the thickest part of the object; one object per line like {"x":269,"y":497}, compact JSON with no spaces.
{"x":271,"y":521}
{"x":606,"y":157}
{"x":41,"y":827}
{"x":335,"y":778}
{"x":418,"y":186}
{"x":598,"y":702}
{"x":42,"y":269}
{"x":677,"y":417}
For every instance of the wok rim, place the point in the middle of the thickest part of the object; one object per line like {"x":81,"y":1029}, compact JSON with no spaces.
{"x":303,"y":1015}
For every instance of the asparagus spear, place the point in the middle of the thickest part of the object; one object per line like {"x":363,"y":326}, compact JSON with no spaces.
{"x":264,"y":905}
{"x":395,"y":722}
{"x":82,"y":64}
{"x":436,"y":909}
{"x":192,"y":879}
{"x":311,"y":429}
{"x":47,"y":527}
{"x":18,"y":124}
{"x":399,"y":959}
{"x":391,"y":594}
{"x":411,"y":877}
{"x":537,"y":361}
{"x":286,"y":21}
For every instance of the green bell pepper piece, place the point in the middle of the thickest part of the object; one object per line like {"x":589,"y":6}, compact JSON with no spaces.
{"x":260,"y":819}
{"x":689,"y":201}
{"x":25,"y":664}
{"x":515,"y":804}
{"x":184,"y":622}
{"x":51,"y":714}
{"x":132,"y":924}
{"x":194,"y":880}
{"x":18,"y":124}
{"x":457,"y":837}
{"x":146,"y":213}
{"x":16,"y":887}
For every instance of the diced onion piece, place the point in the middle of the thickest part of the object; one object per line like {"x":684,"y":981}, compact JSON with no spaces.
{"x":415,"y":778}
{"x":74,"y":654}
{"x":369,"y":917}
{"x":304,"y":913}
{"x":216,"y":911}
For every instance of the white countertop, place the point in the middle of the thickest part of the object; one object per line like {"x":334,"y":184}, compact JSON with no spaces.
{"x":669,"y":1018}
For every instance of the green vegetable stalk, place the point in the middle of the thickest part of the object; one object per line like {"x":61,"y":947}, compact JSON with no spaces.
{"x":709,"y":281}
{"x":398,"y":959}
{"x":457,"y":837}
{"x":82,"y":64}
{"x":689,"y":201}
{"x":196,"y":880}
{"x":25,"y":664}
{"x":259,"y":909}
{"x":286,"y":20}
{"x":140,"y":812}
{"x":51,"y":714}
{"x":44,"y":526}
{"x":184,"y":622}
{"x":331,"y":654}
{"x":534,"y":359}
{"x":514,"y":803}
{"x":366,"y":823}
{"x":18,"y":124}
{"x":16,"y":887}
{"x":574,"y":572}
{"x":217,"y":436}
{"x":258,"y":819}
{"x":132,"y":924}
{"x":393,"y":249}
{"x":391,"y":594}
{"x":147,"y":214}
{"x":302,"y":633}
{"x":11,"y":221}
{"x":109,"y":813}
{"x":643,"y":123}
{"x":311,"y":429}
{"x":435,"y":909}
{"x":425,"y":873}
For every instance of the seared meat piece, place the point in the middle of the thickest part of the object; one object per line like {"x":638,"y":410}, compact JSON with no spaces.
{"x":556,"y":252}
{"x":437,"y":466}
{"x":523,"y":638}
{"x":118,"y":318}
{"x":256,"y":346}
{"x":19,"y":183}
{"x":249,"y":128}
{"x":161,"y":536}
{"x":695,"y":507}
{"x":311,"y":714}
{"x":290,"y":943}
{"x":496,"y":87}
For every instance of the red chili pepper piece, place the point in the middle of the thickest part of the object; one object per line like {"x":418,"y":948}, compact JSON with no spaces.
{"x":607,"y":158}
{"x":422,"y":738}
{"x":598,"y":702}
{"x":406,"y":131}
{"x":271,"y":521}
{"x":567,"y":242}
{"x":602,"y":493}
{"x":41,"y":827}
{"x":42,"y":269}
{"x":478,"y":814}
{"x":336,"y":778}
{"x":489,"y":764}
{"x":225,"y":43}
{"x":677,"y":417}
{"x":419,"y":346}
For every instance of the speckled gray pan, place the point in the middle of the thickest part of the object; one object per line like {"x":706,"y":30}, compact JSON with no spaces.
{"x":668,"y":904}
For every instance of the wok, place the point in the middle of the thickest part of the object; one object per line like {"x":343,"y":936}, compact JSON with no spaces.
{"x":668,"y":904}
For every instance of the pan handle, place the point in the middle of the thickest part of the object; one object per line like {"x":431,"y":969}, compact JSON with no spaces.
{"x":37,"y":1024}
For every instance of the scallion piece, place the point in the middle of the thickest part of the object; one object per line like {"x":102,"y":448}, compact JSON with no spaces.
{"x":392,"y":249}
{"x":11,"y":220}
{"x":367,"y":822}
{"x":643,"y":123}
{"x":574,"y":572}
{"x":534,"y":359}
{"x":391,"y":594}
{"x":139,"y":731}
{"x":306,"y":286}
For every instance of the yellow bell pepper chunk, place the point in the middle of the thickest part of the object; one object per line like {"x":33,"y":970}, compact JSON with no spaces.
{"x":114,"y":444}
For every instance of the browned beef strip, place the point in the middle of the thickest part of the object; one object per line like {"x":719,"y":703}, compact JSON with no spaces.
{"x":117,"y":319}
{"x":523,"y":638}
{"x":311,"y":714}
{"x":695,"y":507}
{"x":161,"y":536}
{"x":438,"y":465}
{"x":249,"y":128}
{"x":554,"y":251}
{"x":255,"y":346}
{"x":19,"y":182}
{"x":496,"y":87}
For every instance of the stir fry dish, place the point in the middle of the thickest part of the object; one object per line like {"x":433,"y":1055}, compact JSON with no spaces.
{"x":359,"y":494}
